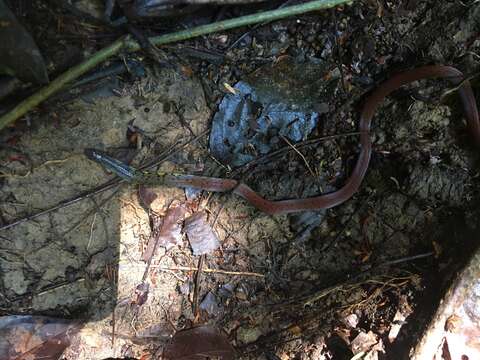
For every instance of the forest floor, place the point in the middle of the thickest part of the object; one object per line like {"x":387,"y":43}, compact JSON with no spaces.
{"x":363,"y":276}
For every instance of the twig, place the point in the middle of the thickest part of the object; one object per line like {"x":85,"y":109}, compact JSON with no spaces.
{"x":32,"y":169}
{"x":46,"y":289}
{"x":94,"y":210}
{"x":56,"y":85}
{"x":264,"y":342}
{"x":104,"y":187}
{"x":351,"y":281}
{"x":113,"y":328}
{"x":448,"y":92}
{"x":301,"y":155}
{"x":405,"y":259}
{"x":150,"y":259}
{"x":207,"y":270}
{"x":125,"y":43}
{"x":114,"y":280}
{"x":217,"y":215}
{"x":344,"y":285}
{"x":196,"y":290}
{"x":86,"y":195}
{"x":285,"y":149}
{"x":167,"y":316}
{"x":91,"y":231}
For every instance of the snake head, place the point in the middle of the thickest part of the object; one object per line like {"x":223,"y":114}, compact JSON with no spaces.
{"x":116,"y":166}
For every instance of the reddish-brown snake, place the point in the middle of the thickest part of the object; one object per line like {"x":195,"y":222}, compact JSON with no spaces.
{"x":353,"y":183}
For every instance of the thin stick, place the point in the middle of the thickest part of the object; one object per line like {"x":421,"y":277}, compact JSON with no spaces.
{"x":196,"y":290}
{"x":350,"y":280}
{"x":114,"y":282}
{"x":406,"y":259}
{"x":299,"y":154}
{"x":270,"y":155}
{"x":211,"y":271}
{"x":47,"y":289}
{"x":91,"y":231}
{"x":125,"y":43}
{"x":104,"y":187}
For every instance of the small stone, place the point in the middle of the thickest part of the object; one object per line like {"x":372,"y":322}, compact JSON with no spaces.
{"x":248,"y":335}
{"x":351,"y":320}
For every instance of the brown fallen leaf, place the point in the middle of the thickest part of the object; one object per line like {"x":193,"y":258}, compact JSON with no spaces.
{"x":35,"y":337}
{"x":167,"y":230}
{"x":199,"y":343}
{"x":367,"y":345}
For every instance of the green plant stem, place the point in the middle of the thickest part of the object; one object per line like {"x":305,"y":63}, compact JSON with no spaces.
{"x":263,"y":17}
{"x":56,"y":85}
{"x":130,"y":45}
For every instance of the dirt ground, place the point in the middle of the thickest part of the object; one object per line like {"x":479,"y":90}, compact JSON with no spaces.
{"x":317,"y":285}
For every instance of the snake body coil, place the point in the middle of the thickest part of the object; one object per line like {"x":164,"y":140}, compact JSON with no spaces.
{"x":352,"y":184}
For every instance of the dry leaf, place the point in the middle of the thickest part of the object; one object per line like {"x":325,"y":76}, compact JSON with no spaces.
{"x":167,"y":230}
{"x":199,"y":343}
{"x":35,"y":337}
{"x":364,"y":342}
{"x":200,"y":234}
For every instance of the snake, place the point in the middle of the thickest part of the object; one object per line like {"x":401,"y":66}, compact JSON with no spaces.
{"x":324,"y":201}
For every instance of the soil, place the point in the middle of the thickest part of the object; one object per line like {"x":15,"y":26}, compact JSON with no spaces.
{"x":298,"y":280}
